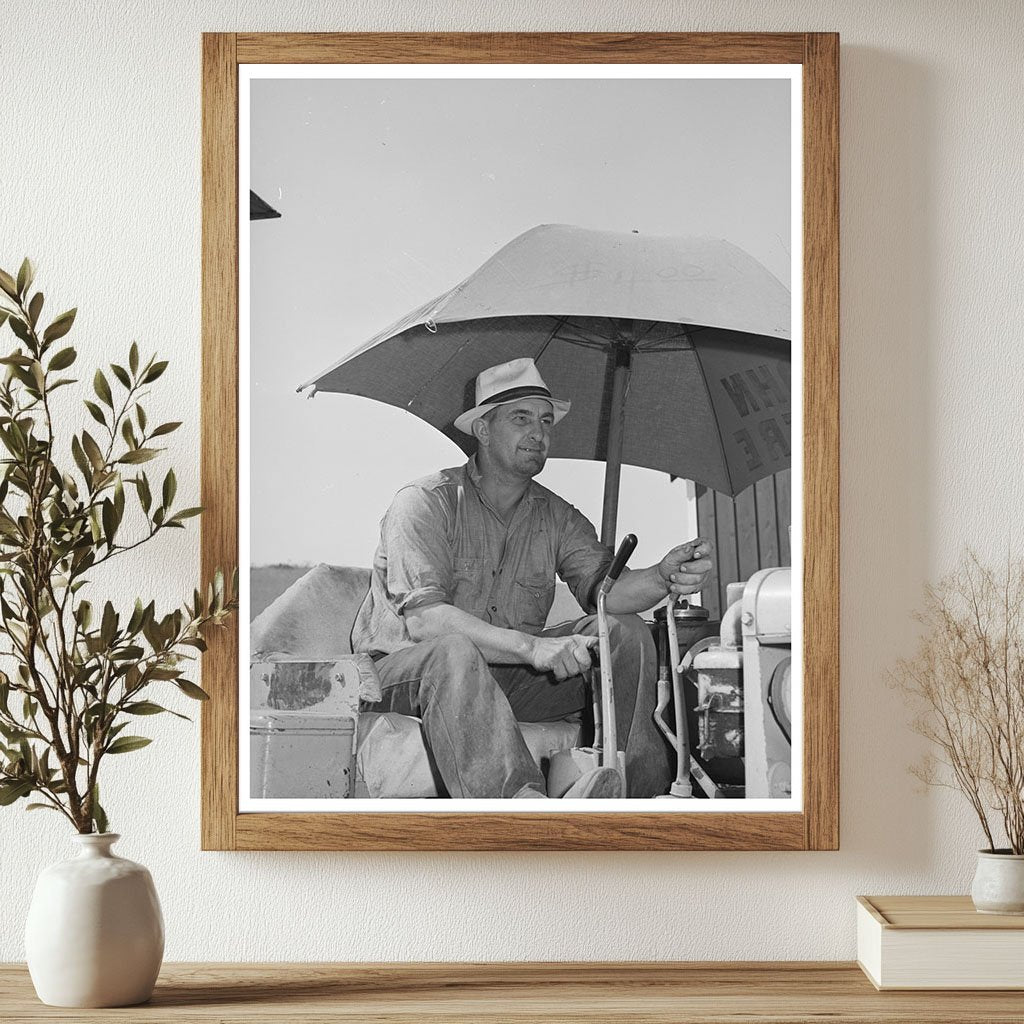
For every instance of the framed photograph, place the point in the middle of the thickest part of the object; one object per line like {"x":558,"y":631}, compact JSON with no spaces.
{"x":520,"y":419}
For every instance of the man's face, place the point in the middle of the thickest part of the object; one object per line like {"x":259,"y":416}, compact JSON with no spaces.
{"x":516,"y":436}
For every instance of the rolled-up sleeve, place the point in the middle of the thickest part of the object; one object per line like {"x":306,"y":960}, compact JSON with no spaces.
{"x":583,"y":561}
{"x":419,"y":552}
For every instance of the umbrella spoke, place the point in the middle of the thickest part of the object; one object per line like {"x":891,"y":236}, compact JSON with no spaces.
{"x":676,"y":343}
{"x":553,"y":336}
{"x":585,"y":335}
{"x":596,"y":346}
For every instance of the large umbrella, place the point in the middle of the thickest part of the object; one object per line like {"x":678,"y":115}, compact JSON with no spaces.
{"x":675,"y":353}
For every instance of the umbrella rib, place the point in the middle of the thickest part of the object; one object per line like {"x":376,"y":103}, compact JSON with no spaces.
{"x":559,"y":323}
{"x":651,"y":324}
{"x":458,"y":352}
{"x":584,"y":343}
{"x":718,"y":433}
{"x":583,"y":337}
{"x":441,"y":369}
{"x":661,"y":344}
{"x":667,"y":345}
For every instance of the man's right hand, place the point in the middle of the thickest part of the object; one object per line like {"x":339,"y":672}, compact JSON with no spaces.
{"x":562,"y":656}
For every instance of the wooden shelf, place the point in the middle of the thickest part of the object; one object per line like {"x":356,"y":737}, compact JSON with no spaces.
{"x":660,"y":993}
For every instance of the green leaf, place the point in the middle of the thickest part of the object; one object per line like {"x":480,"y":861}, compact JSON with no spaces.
{"x":20,"y":329}
{"x":125,"y":744}
{"x":191,"y":690}
{"x":121,"y":374}
{"x":95,"y":527}
{"x":144,"y":707}
{"x":60,"y":326}
{"x":16,"y":359}
{"x":154,"y":371}
{"x":139,"y":455}
{"x":41,"y":807}
{"x":145,"y":497}
{"x":95,"y":711}
{"x":11,"y":733}
{"x":99,"y":816}
{"x":63,"y":359}
{"x":140,"y":415}
{"x":185,"y":513}
{"x":133,"y":358}
{"x":136,"y":620}
{"x":119,"y":499}
{"x":80,"y":458}
{"x":26,"y":274}
{"x":8,"y":284}
{"x":4,"y":314}
{"x":170,"y":488}
{"x":128,"y":433}
{"x":102,"y":388}
{"x":129,"y":653}
{"x":108,"y":626}
{"x":95,"y":412}
{"x":11,"y":791}
{"x":109,"y":521}
{"x":34,"y":308}
{"x":115,"y":730}
{"x":165,"y":428}
{"x":92,"y":449}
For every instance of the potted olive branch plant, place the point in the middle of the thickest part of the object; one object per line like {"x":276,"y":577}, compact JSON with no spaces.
{"x":966,"y":682}
{"x":77,"y":672}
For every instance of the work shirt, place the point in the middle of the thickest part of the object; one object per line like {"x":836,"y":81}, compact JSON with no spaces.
{"x":441,"y":541}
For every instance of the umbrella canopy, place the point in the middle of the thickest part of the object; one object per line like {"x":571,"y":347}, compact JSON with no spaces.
{"x":675,"y":352}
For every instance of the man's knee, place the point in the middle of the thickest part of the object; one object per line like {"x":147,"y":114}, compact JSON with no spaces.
{"x":457,"y":667}
{"x":456,"y":651}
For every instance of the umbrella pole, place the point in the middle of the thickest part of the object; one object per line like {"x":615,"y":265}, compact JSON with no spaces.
{"x":613,"y":458}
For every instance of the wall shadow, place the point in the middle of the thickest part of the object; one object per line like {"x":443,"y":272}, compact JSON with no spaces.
{"x":887,"y":282}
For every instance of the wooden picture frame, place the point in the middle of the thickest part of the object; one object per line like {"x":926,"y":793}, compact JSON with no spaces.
{"x":816,"y":827}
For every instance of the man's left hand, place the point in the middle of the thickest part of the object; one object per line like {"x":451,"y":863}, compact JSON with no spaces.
{"x":687,"y":568}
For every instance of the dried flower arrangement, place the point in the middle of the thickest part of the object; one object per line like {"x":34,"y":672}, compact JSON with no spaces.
{"x":967,"y":683}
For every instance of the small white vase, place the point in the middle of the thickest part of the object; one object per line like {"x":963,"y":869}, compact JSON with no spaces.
{"x":95,"y":933}
{"x":999,"y":882}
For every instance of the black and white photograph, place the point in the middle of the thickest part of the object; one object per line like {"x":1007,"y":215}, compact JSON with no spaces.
{"x":520,"y":503}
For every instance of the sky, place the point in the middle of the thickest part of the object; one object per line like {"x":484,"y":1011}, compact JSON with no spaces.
{"x":393,"y":190}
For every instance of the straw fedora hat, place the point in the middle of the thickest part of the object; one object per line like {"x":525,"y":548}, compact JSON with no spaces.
{"x":505,"y":383}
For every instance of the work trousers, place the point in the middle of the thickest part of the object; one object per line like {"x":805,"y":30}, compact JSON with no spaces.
{"x":469,"y":709}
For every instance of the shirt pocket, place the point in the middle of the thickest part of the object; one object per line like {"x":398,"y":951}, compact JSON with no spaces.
{"x":532,"y":597}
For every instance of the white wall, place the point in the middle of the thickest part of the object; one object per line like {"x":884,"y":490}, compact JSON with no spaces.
{"x":99,"y":181}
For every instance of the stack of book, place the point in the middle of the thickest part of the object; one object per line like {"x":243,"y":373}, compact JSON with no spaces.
{"x":938,"y":942}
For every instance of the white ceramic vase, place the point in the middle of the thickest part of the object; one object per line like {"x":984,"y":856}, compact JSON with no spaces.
{"x":999,"y":882}
{"x":95,"y":933}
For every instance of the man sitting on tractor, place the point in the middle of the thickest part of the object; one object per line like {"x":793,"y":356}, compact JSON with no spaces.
{"x":461,"y":585}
